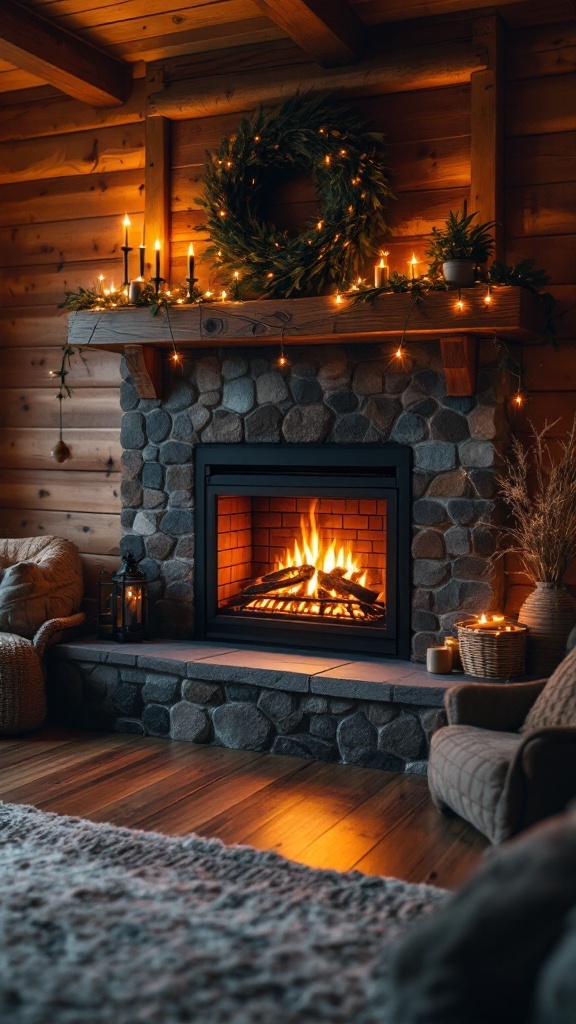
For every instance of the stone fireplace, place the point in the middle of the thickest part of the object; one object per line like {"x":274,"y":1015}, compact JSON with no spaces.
{"x":304,"y":545}
{"x":238,"y":410}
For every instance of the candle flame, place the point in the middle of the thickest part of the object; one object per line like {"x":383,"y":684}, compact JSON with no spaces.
{"x":127,"y":222}
{"x":157,"y":245}
{"x":413,"y":261}
{"x":191,"y":249}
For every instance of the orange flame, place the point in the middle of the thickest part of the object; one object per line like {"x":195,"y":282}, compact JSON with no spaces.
{"x":313,"y":549}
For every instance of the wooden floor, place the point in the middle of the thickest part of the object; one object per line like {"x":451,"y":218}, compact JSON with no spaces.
{"x":324,"y":815}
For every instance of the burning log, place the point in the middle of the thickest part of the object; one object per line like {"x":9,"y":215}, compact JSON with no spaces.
{"x":282,"y":579}
{"x":345,"y":587}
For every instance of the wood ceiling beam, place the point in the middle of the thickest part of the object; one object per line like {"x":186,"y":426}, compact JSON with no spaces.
{"x":328,"y":30}
{"x":70,"y":64}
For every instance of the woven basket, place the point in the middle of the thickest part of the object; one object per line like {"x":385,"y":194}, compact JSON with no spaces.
{"x":490,"y":654}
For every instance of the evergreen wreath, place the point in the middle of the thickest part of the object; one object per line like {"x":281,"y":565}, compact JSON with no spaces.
{"x":306,"y":135}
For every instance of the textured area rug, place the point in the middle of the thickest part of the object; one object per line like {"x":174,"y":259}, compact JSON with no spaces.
{"x":105,"y":925}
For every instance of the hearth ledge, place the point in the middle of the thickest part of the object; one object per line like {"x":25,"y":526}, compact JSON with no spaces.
{"x":373,"y":713}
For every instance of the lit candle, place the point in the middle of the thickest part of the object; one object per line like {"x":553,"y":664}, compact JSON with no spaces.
{"x":126,"y":223}
{"x":191,"y":262}
{"x":157,"y":257}
{"x":454,"y":646}
{"x":494,"y":622}
{"x":413,"y":263}
{"x":381,"y":271}
{"x":142,"y":251}
{"x":101,"y":282}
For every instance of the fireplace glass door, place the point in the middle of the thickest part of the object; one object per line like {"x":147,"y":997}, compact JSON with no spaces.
{"x":301,"y":546}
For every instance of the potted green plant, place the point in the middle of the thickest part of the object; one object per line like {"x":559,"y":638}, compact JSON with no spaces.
{"x":459,"y":248}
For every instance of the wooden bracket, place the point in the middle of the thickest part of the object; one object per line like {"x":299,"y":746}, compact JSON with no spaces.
{"x":459,"y":358}
{"x":144,"y":363}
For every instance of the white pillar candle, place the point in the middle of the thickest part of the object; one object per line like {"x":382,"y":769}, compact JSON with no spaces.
{"x":439,"y":660}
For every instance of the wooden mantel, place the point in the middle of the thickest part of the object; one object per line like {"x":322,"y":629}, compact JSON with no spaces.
{"x":513,"y":313}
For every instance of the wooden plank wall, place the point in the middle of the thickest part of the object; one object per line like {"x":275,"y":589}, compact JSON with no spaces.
{"x":68,"y":174}
{"x":540,"y":205}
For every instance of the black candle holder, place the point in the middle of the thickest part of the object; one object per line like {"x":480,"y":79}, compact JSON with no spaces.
{"x":126,"y":249}
{"x":191,"y":281}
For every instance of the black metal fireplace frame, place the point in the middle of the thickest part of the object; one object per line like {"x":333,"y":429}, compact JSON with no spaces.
{"x":332,"y":470}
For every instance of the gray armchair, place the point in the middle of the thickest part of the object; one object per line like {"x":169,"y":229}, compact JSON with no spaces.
{"x":483,"y":768}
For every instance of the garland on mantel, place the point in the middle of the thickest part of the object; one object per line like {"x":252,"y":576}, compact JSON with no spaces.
{"x":306,"y":135}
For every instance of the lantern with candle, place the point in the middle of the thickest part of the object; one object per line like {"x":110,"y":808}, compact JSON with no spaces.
{"x":123,"y":604}
{"x":492,"y":646}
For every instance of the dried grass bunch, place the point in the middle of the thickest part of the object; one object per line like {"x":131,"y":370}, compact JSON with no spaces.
{"x":539,"y":489}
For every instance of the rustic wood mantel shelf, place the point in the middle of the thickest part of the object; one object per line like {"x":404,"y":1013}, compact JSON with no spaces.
{"x":513,"y":313}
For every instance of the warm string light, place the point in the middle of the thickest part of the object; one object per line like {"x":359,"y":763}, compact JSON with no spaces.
{"x":488,"y":296}
{"x":282,"y":361}
{"x":459,"y":306}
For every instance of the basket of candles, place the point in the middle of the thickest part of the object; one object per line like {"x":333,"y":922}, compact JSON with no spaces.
{"x":492,"y":646}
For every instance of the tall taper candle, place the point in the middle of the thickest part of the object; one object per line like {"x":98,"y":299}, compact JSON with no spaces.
{"x":157,"y":257}
{"x":191,"y":262}
{"x":126,"y":226}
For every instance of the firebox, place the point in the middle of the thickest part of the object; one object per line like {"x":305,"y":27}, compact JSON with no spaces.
{"x":304,"y":545}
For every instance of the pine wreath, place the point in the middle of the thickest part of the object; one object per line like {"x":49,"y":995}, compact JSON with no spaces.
{"x":305,"y":135}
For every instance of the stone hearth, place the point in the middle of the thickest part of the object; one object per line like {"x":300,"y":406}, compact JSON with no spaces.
{"x":375,"y":713}
{"x":339,"y":393}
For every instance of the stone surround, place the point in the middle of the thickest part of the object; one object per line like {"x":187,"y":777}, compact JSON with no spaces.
{"x":338,"y":393}
{"x":374,"y":713}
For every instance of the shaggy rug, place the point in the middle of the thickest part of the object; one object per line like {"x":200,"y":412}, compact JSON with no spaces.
{"x":105,"y":925}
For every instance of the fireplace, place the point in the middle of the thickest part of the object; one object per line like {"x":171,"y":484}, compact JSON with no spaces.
{"x":304,"y":545}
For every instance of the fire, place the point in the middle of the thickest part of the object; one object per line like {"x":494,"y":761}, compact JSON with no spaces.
{"x":313,"y":549}
{"x":328,"y":580}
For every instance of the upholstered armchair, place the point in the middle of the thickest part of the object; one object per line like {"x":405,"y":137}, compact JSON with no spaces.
{"x":40,"y":594}
{"x":507,"y":757}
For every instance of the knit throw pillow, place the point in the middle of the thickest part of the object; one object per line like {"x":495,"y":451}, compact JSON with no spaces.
{"x":556,"y":704}
{"x":24,"y":594}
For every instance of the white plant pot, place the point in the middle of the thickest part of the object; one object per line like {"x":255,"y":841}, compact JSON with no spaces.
{"x":459,"y":273}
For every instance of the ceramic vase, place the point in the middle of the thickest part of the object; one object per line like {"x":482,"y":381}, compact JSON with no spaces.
{"x":550,"y":613}
{"x":459,"y":273}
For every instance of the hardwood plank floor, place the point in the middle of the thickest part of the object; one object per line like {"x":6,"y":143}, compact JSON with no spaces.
{"x":324,"y":815}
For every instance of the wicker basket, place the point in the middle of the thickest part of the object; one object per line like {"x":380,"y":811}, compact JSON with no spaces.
{"x":492,"y":653}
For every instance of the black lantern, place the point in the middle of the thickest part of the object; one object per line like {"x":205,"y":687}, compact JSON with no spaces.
{"x":123,"y":603}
